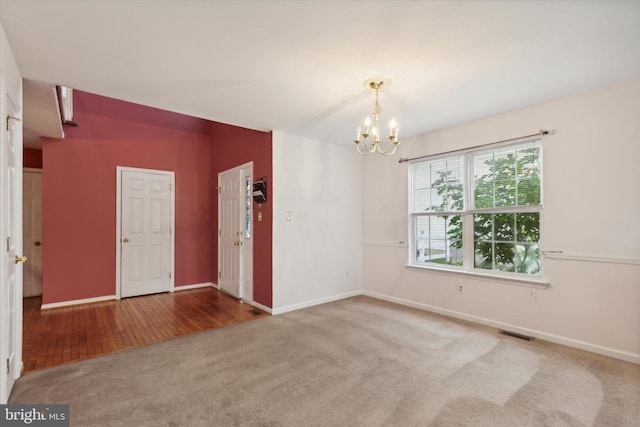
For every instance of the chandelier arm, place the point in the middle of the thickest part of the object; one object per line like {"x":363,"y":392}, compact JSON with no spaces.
{"x":390,"y":150}
{"x":360,"y":151}
{"x":364,"y":148}
{"x":371,"y":149}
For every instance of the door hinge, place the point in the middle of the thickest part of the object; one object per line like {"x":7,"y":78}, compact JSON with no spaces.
{"x":8,"y":364}
{"x":219,"y":274}
{"x":169,"y":275}
{"x":8,"y":243}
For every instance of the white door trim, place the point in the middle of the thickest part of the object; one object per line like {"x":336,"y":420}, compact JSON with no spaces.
{"x":246,"y":250}
{"x":119,"y":170}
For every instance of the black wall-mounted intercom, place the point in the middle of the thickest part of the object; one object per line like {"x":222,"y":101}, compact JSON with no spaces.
{"x":260,"y":191}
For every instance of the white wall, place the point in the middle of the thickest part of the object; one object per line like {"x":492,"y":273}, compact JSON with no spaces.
{"x":9,"y":69}
{"x":320,"y":184}
{"x":591,"y":210}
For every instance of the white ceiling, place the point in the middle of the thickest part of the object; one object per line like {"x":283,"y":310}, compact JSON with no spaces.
{"x":298,"y":66}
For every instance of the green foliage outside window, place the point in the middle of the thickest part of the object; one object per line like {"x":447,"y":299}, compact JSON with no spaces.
{"x":506,"y":241}
{"x":452,"y":194}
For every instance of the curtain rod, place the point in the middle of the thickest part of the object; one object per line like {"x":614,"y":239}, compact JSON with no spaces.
{"x":539,"y":133}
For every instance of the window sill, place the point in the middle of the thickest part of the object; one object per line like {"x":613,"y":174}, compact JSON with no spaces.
{"x":534,"y":282}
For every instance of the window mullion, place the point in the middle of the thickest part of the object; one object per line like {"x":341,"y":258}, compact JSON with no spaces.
{"x":493,"y":238}
{"x":467,"y":220}
{"x":507,"y":209}
{"x":467,"y":241}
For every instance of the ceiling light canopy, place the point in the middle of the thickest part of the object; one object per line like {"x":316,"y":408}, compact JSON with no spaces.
{"x":372,"y":128}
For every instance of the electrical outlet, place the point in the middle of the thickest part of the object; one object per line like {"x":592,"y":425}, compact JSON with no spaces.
{"x":460,"y":289}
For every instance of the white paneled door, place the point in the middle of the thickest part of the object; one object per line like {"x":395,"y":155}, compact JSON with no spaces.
{"x":32,"y":232}
{"x":229,"y":238}
{"x":146,"y":232}
{"x":11,"y":297}
{"x":235,"y":243}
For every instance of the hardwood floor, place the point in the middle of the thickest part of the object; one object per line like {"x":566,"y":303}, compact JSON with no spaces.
{"x":62,"y":335}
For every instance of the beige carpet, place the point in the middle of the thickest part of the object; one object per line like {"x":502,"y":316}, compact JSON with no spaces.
{"x":355,"y":362}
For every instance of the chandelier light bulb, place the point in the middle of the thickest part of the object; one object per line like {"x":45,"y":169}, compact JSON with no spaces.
{"x":392,"y":128}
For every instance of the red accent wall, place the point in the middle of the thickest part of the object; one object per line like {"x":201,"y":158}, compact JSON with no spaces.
{"x":79,"y":193}
{"x":233,"y":147}
{"x":32,"y":158}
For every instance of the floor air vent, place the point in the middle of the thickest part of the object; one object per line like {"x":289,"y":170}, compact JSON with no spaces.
{"x":516,"y":335}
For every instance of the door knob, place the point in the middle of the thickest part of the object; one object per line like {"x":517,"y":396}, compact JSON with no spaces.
{"x":38,"y":244}
{"x":21,"y":259}
{"x":125,"y":240}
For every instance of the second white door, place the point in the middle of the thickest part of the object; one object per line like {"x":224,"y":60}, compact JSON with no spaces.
{"x":146,"y":232}
{"x":229,"y":234}
{"x":235,"y":243}
{"x":32,"y":232}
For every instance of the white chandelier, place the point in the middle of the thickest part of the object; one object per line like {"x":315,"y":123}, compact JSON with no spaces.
{"x":373,"y":129}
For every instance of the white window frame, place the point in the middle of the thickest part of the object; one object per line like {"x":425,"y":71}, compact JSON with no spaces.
{"x":467,"y":219}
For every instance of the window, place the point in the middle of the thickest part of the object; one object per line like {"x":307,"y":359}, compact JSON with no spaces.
{"x":248,"y":186}
{"x":478,"y":210}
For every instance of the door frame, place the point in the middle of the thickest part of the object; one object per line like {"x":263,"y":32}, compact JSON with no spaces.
{"x":172,"y":175}
{"x":246,"y":250}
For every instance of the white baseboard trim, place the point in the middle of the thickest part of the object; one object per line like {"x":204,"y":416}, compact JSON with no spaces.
{"x":76,"y":302}
{"x":113,"y":297}
{"x":606,"y":351}
{"x":316,"y":302}
{"x":261,"y":307}
{"x":195,"y":286}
